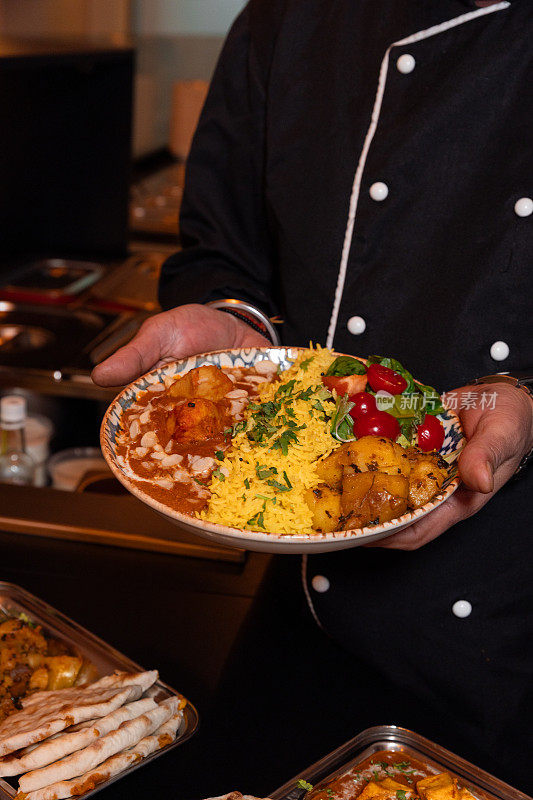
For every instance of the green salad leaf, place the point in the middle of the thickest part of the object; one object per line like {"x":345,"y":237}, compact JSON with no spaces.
{"x":341,"y":421}
{"x":346,"y":365}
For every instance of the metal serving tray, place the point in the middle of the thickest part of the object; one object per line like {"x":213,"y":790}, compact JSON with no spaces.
{"x":392,"y":738}
{"x":14,"y":600}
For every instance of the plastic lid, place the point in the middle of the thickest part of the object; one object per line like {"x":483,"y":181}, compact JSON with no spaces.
{"x":12,"y":409}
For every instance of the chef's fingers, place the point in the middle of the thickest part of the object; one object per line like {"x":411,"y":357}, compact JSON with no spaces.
{"x":501,"y":434}
{"x":175,"y":334}
{"x":461,"y":505}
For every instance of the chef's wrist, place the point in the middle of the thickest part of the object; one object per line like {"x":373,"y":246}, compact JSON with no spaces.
{"x":522,"y":382}
{"x":249,"y":314}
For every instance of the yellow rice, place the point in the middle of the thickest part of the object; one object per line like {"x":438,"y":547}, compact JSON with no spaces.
{"x":244,"y":500}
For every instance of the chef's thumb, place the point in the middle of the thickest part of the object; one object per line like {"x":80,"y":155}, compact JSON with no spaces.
{"x":132,"y":360}
{"x":486,"y":450}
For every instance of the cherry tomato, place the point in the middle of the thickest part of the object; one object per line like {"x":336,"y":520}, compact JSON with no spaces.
{"x":430,"y":434}
{"x":379,"y":423}
{"x":364,"y":403}
{"x":384,"y":378}
{"x":347,"y":384}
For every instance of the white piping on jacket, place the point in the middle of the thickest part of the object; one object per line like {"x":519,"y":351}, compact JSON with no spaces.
{"x":307,"y":593}
{"x":354,"y":198}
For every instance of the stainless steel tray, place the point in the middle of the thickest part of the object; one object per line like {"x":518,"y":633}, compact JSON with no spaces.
{"x":390,"y":737}
{"x":14,"y":600}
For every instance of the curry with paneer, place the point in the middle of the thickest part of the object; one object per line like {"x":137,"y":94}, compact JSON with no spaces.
{"x":30,"y":661}
{"x":389,"y":775}
{"x":175,"y":435}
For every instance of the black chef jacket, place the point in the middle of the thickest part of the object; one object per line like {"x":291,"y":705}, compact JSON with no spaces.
{"x":310,"y":108}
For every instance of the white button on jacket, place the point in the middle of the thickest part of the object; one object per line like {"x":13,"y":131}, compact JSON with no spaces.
{"x":356,"y":325}
{"x":379,"y":191}
{"x":524,"y":207}
{"x":320,"y":584}
{"x":462,"y":608}
{"x":405,"y":64}
{"x":499,"y":351}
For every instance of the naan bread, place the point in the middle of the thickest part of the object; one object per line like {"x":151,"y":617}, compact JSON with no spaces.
{"x":70,"y":741}
{"x":45,"y":718}
{"x":117,"y":763}
{"x":117,"y":680}
{"x":127,"y":735}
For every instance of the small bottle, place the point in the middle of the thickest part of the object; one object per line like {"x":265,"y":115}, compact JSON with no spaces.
{"x":16,"y":466}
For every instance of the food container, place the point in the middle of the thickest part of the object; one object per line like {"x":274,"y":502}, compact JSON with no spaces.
{"x":51,"y":280}
{"x":38,"y":432}
{"x":389,"y":737}
{"x":68,"y":467}
{"x":14,"y":601}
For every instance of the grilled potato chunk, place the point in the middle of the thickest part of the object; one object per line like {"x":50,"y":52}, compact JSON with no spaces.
{"x":330,"y":469}
{"x":325,"y":504}
{"x":372,"y":497}
{"x":368,"y":454}
{"x":378,"y":454}
{"x":425,"y":480}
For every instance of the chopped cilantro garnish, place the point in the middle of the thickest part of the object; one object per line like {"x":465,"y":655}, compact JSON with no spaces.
{"x":257,"y":520}
{"x":264,"y":472}
{"x":283,"y":441}
{"x":220,"y":455}
{"x":279,"y":486}
{"x":403,"y":765}
{"x":319,"y":407}
{"x":304,"y":785}
{"x":305,"y":394}
{"x":269,"y":409}
{"x":285,"y":388}
{"x":201,"y":483}
{"x":287,"y":481}
{"x":217,"y":473}
{"x":400,"y":794}
{"x":247,"y":483}
{"x":305,"y":364}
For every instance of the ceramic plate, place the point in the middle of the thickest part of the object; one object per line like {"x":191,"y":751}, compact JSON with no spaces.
{"x":255,"y":540}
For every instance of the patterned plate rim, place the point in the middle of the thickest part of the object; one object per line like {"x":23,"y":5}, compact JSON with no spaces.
{"x":241,"y":534}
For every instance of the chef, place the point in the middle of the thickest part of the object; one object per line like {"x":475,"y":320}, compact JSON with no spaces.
{"x":362,"y":170}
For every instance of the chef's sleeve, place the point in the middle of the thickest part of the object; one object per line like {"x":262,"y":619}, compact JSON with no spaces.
{"x":227,"y":250}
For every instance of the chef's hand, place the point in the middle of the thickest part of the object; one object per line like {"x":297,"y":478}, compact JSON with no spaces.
{"x":498,"y":438}
{"x":174,"y":334}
